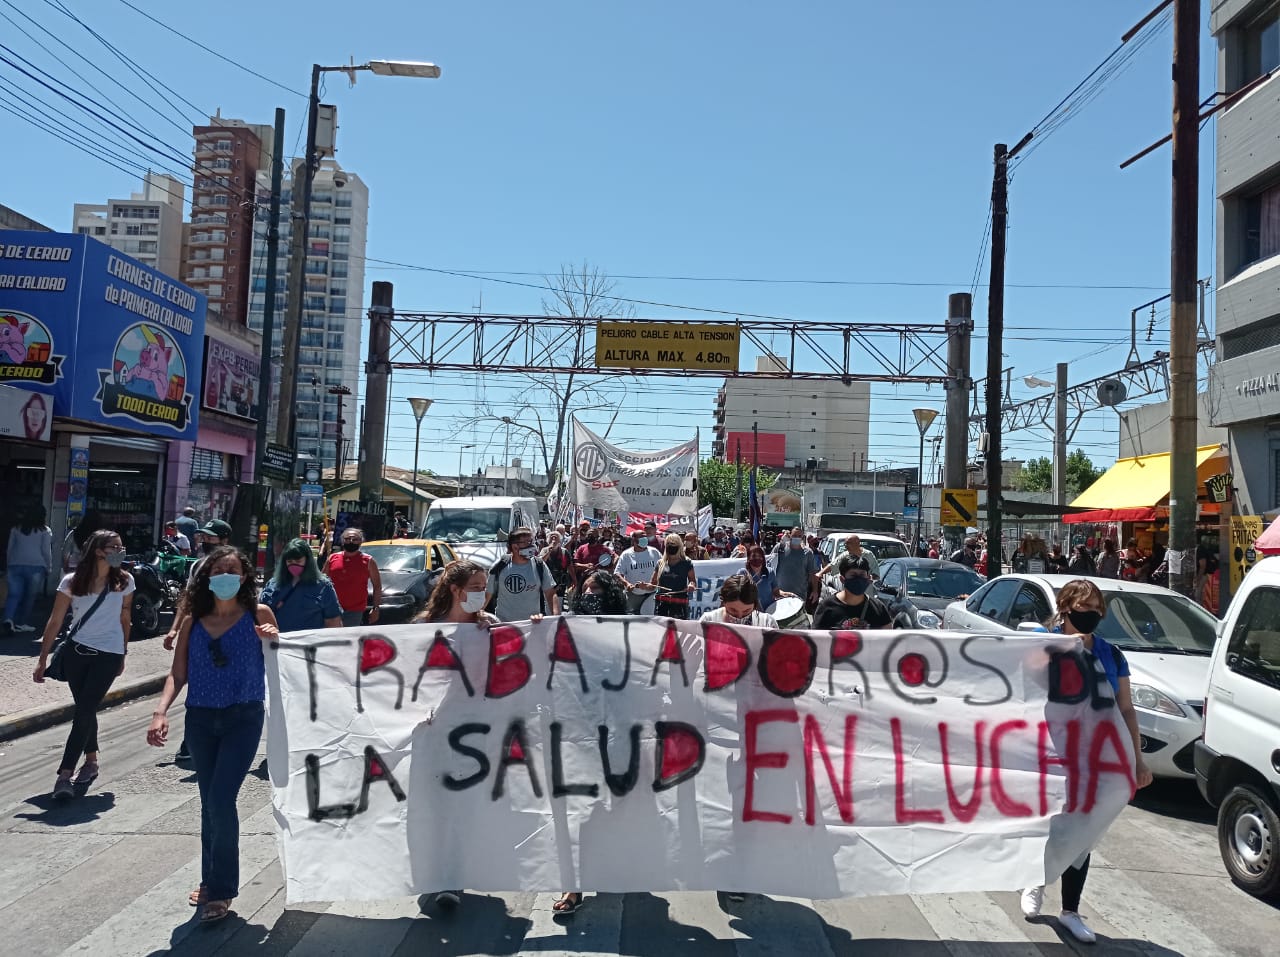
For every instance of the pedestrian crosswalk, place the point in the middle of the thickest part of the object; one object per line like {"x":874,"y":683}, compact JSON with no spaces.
{"x":110,"y":875}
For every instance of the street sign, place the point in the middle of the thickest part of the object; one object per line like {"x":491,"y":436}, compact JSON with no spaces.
{"x":278,"y":462}
{"x":910,"y":511}
{"x":1245,"y":529}
{"x":312,"y":493}
{"x":911,"y":497}
{"x":959,"y":506}
{"x":312,"y":474}
{"x":666,"y":345}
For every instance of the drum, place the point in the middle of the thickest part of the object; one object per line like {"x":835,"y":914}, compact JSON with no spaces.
{"x":640,"y":600}
{"x":789,"y":613}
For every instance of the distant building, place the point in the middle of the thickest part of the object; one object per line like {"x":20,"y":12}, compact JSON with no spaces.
{"x":216,"y":256}
{"x":12,"y":219}
{"x":799,"y":423}
{"x":333,"y":306}
{"x":1244,"y":388}
{"x":146,"y":226}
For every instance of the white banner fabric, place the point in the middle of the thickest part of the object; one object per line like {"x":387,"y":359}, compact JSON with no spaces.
{"x":614,"y":479}
{"x":711,"y":573}
{"x":632,"y":754}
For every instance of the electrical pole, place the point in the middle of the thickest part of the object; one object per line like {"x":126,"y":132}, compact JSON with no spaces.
{"x":1060,"y":442}
{"x":300,"y":216}
{"x":995,"y":356}
{"x":1183,"y":329}
{"x":340,"y":391}
{"x":737,"y":497}
{"x":376,"y":369}
{"x":269,"y":303}
{"x":955,"y":463}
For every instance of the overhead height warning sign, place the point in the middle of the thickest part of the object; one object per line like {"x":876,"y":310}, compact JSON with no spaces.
{"x":666,"y":345}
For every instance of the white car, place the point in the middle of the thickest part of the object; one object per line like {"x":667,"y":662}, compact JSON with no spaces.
{"x":1166,"y":637}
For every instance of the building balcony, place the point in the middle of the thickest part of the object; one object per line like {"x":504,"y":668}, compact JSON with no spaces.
{"x":720,"y":398}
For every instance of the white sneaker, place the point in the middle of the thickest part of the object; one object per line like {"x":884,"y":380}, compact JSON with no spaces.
{"x":1032,"y":901}
{"x":25,"y":629}
{"x":1076,"y":925}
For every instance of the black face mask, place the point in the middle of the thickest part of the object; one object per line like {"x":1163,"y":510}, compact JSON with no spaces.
{"x":351,"y":546}
{"x":673,"y":549}
{"x":857,"y":585}
{"x":1084,"y":621}
{"x":589,"y":604}
{"x":207,"y":547}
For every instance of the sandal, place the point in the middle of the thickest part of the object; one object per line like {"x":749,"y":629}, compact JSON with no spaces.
{"x":568,"y":903}
{"x":198,"y":896}
{"x":215,"y":911}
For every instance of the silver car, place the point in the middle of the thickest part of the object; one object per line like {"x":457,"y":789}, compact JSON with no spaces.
{"x":1166,"y":637}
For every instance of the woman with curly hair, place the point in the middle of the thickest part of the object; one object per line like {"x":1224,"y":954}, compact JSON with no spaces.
{"x":601,"y":594}
{"x":219,"y":659}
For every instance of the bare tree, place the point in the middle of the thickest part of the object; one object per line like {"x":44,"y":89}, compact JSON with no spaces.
{"x":549,"y":399}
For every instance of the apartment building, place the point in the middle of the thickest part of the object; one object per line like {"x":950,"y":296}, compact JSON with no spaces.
{"x":219,"y":241}
{"x":333,"y":305}
{"x":1244,"y":390}
{"x":146,"y":226}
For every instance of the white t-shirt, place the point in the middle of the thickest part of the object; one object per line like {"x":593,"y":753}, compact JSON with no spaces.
{"x":759,"y":619}
{"x":102,"y":632}
{"x":638,"y":567}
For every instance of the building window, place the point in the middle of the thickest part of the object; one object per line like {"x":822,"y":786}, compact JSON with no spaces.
{"x":1261,"y":216}
{"x":208,"y":466}
{"x":1253,"y":338}
{"x":1262,"y":44}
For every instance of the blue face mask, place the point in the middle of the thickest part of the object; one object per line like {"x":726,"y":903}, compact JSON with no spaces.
{"x":641,"y":542}
{"x":224,"y":586}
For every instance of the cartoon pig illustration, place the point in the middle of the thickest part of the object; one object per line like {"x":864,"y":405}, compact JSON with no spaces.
{"x":13,"y":346}
{"x":151,"y":374}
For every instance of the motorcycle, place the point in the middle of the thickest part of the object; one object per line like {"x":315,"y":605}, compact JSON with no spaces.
{"x":149,"y":596}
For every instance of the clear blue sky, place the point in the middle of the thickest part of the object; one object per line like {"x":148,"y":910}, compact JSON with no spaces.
{"x":811,"y":141}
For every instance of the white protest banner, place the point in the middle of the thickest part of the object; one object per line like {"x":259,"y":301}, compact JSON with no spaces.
{"x":711,"y":574}
{"x":614,"y":479}
{"x":632,"y":754}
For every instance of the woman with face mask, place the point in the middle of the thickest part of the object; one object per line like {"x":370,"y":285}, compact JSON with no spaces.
{"x":740,"y":604}
{"x":220,"y":662}
{"x":675,"y":580}
{"x":97,"y":595}
{"x":601,"y":594}
{"x":765,"y":581}
{"x":298,"y":595}
{"x":1081,"y":609}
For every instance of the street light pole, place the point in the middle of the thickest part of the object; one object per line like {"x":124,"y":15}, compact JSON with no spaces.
{"x":300,"y":214}
{"x":461,"y":448}
{"x":420,"y":407}
{"x":340,"y":391}
{"x":506,"y":449}
{"x":924,"y":418}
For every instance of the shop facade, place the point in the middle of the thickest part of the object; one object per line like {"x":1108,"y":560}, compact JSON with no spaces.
{"x":112,"y":350}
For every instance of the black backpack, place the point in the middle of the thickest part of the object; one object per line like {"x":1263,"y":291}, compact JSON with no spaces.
{"x":500,"y":566}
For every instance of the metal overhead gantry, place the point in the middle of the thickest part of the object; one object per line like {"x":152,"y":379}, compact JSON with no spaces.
{"x":847,"y":351}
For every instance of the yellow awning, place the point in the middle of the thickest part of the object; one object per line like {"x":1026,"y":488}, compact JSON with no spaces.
{"x":1139,"y":482}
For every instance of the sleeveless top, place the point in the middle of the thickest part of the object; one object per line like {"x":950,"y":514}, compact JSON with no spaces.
{"x":350,"y":577}
{"x":242,"y":677}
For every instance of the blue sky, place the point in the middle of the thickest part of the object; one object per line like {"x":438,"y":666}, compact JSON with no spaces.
{"x":842,"y":141}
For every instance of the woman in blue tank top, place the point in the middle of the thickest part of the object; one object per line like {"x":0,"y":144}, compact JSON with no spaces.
{"x":219,"y":659}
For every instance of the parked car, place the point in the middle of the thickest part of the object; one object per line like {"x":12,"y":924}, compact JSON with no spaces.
{"x":924,"y":587}
{"x":1166,"y":637}
{"x":1238,"y":761}
{"x":409,"y":568}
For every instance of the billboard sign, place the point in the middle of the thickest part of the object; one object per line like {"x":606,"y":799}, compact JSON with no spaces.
{"x":25,"y":414}
{"x":230,"y":380}
{"x":666,"y":345}
{"x":109,"y":339}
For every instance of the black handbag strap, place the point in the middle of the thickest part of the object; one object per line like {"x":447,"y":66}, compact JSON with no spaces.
{"x":92,"y":608}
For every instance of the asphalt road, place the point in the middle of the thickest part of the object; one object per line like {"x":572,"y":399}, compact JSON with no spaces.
{"x":109,"y":873}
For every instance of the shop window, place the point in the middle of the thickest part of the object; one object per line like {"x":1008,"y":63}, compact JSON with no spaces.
{"x":209,"y":466}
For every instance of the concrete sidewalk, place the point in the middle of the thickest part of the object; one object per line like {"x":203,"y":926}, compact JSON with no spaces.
{"x":26,"y":707}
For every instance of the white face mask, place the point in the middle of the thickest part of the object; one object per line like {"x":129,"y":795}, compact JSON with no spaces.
{"x":473,"y":602}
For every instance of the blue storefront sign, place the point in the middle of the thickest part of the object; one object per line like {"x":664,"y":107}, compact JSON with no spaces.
{"x":112,"y":340}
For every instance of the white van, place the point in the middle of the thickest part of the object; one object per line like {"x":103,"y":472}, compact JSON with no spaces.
{"x":477,"y":526}
{"x":1238,"y":761}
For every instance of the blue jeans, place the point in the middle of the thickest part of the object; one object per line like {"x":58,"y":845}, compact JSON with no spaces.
{"x":25,"y":582}
{"x":223,"y":743}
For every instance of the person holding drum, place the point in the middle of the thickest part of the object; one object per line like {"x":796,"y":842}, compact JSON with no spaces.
{"x":851,"y":606}
{"x":675,"y":580}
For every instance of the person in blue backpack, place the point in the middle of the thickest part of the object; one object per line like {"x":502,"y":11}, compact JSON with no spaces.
{"x":298,"y":595}
{"x":1081,"y":609}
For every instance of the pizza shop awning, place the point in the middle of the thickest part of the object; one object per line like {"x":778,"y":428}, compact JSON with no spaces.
{"x":1137,"y":489}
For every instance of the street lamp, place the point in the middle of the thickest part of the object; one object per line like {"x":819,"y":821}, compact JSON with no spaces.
{"x":461,"y":448}
{"x":420,"y":407}
{"x":924,"y":419}
{"x":301,"y":216}
{"x":340,"y":391}
{"x":506,"y":449}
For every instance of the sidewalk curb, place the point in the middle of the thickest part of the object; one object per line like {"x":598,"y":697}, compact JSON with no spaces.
{"x":37,"y":719}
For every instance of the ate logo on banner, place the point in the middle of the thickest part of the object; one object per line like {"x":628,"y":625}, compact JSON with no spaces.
{"x":591,"y":462}
{"x":26,"y":350}
{"x":147,"y":381}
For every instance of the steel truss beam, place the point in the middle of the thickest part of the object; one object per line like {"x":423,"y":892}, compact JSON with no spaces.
{"x":848,"y":351}
{"x":1140,"y":379}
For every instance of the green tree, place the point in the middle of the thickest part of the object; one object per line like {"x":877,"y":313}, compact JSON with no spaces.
{"x":718,"y":485}
{"x":1036,"y":476}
